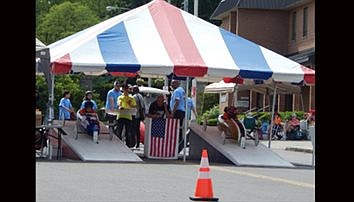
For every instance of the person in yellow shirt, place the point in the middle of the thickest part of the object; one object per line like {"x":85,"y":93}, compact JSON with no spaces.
{"x":126,"y":102}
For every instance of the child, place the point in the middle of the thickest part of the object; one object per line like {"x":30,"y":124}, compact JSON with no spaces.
{"x":89,"y":118}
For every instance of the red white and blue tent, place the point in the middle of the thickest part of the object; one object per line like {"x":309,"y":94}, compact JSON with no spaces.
{"x":159,"y":39}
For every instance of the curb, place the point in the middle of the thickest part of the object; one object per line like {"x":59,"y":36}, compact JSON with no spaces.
{"x":299,"y":149}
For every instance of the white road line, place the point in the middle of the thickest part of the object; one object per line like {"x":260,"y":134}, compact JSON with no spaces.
{"x":277,"y":179}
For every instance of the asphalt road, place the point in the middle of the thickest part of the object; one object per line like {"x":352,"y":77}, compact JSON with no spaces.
{"x":168,"y":181}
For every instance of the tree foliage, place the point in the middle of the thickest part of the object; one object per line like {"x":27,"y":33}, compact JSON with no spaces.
{"x":61,"y":83}
{"x":63,"y":20}
{"x":99,"y":7}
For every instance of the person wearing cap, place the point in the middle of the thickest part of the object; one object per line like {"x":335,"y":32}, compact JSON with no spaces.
{"x":88,"y":97}
{"x":112,"y":102}
{"x":125,"y":101}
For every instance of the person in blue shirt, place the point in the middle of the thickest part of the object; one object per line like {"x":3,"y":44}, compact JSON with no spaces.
{"x":65,"y":107}
{"x":112,"y":97}
{"x":190,"y":108}
{"x":88,"y":97}
{"x":178,"y":108}
{"x":112,"y":102}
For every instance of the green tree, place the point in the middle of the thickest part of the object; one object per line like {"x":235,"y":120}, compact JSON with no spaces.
{"x":63,"y":20}
{"x":99,"y":7}
{"x":158,"y":83}
{"x":61,"y":83}
{"x":42,"y":8}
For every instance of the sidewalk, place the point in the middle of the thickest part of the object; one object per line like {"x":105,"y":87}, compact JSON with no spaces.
{"x":291,"y":145}
{"x":297,"y":152}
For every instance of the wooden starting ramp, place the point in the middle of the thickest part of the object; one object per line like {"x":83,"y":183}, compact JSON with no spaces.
{"x":106,"y":150}
{"x":230,"y":152}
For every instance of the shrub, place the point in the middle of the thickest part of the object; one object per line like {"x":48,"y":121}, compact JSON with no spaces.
{"x":212,"y":122}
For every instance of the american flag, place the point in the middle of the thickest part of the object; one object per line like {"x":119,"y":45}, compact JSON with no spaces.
{"x":163,"y":138}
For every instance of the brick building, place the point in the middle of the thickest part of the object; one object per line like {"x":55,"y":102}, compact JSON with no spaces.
{"x":286,"y":27}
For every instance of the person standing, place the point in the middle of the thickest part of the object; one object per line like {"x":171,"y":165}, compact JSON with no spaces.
{"x":125,"y":102}
{"x":158,"y":108}
{"x":65,"y":107}
{"x":190,"y":108}
{"x":112,"y":102}
{"x":178,"y":108}
{"x":138,"y":117}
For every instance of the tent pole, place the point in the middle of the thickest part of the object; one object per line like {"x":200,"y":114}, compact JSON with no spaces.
{"x":166,"y":83}
{"x":51,"y":101}
{"x":235,"y":94}
{"x":194,"y":97}
{"x":185,"y":121}
{"x":196,"y":7}
{"x":149,"y":82}
{"x":271,"y":121}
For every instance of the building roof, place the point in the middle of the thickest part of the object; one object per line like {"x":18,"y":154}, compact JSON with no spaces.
{"x":303,"y":56}
{"x":227,"y":5}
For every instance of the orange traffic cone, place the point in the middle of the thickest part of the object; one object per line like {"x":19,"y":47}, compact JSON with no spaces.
{"x":204,"y":188}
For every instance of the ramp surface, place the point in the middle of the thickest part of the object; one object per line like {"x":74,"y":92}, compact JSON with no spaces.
{"x":105,"y":150}
{"x":250,"y":156}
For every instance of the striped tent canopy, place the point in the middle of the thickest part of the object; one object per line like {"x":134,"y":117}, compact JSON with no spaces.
{"x":159,"y":39}
{"x":259,"y":86}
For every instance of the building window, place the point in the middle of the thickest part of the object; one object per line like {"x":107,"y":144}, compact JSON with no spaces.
{"x":293,"y":26}
{"x":304,"y":25}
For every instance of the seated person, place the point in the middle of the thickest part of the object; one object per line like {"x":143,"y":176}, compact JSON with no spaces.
{"x":228,"y":123}
{"x":277,"y":126}
{"x":293,"y":129}
{"x":158,"y":108}
{"x":88,"y":118}
{"x":293,"y":123}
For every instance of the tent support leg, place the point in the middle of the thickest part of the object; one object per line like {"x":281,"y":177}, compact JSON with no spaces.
{"x":185,"y":121}
{"x":271,"y":121}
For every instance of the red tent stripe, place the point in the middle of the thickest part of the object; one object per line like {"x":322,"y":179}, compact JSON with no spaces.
{"x":62,"y":65}
{"x":309,"y":75}
{"x":177,"y":40}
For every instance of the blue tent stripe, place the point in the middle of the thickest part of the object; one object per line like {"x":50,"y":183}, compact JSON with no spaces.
{"x":120,"y":59}
{"x":248,"y":56}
